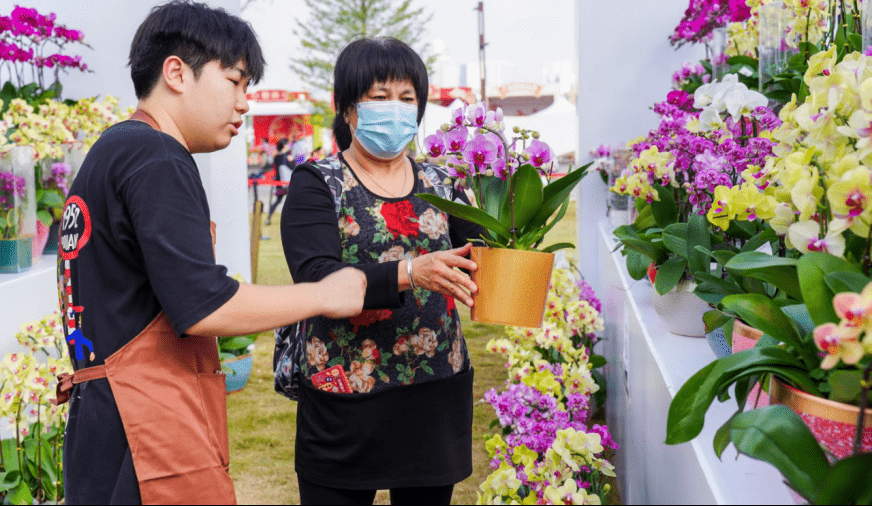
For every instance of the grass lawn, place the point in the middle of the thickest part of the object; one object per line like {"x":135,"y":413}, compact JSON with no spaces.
{"x":262,"y":423}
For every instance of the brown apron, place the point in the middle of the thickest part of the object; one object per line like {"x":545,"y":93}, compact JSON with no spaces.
{"x":173,"y":404}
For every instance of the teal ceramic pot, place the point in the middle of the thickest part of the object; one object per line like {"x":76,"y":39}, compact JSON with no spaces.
{"x":717,"y":341}
{"x":16,"y":255}
{"x":51,"y":247}
{"x":242,"y":367}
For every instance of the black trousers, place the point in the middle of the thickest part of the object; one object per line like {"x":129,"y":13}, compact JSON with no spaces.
{"x":316,"y":494}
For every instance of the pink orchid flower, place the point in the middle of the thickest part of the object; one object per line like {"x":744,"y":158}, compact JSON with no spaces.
{"x":540,"y":153}
{"x":476,"y":115}
{"x":837,"y":344}
{"x":456,"y":139}
{"x":458,"y":115}
{"x":480,"y":153}
{"x":435,"y":144}
{"x":855,"y":310}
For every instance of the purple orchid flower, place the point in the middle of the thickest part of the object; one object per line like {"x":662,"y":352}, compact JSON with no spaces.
{"x":435,"y":144}
{"x":476,"y":115}
{"x":540,"y":153}
{"x":480,"y":153}
{"x":457,"y":139}
{"x":458,"y":115}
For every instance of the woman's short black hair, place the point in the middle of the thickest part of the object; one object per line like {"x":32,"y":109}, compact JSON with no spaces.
{"x":371,"y":60}
{"x":196,"y":33}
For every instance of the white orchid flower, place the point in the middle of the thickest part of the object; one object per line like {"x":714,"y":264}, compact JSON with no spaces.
{"x":710,"y":119}
{"x":805,"y":236}
{"x":740,"y":102}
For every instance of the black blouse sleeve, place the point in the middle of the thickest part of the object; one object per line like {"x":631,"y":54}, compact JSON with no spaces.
{"x":310,"y":238}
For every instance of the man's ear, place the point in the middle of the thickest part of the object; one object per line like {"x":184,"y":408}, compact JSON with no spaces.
{"x":175,"y":74}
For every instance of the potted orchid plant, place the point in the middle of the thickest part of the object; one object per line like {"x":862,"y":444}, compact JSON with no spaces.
{"x":814,"y":194}
{"x":17,"y":213}
{"x":504,"y":172}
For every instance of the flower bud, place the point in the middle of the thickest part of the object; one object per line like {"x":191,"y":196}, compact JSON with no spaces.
{"x":535,"y":135}
{"x":525,"y":157}
{"x":445,"y":127}
{"x":607,"y":488}
{"x":489,"y":172}
{"x":516,"y":129}
{"x":526,"y":135}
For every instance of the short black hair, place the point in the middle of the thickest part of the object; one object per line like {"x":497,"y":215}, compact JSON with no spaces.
{"x":280,"y":145}
{"x":196,"y":33}
{"x":371,"y":60}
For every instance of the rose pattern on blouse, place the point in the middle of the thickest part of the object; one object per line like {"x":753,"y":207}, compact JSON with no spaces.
{"x":420,"y":341}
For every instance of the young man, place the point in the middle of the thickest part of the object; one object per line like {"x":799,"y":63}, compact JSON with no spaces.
{"x":148,"y":421}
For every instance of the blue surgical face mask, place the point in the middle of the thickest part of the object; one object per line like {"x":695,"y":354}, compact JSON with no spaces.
{"x":385,"y":128}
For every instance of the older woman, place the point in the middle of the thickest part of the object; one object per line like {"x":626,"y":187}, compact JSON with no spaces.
{"x":386,"y":397}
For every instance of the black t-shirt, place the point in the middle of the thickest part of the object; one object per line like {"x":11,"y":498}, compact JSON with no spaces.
{"x":135,"y":241}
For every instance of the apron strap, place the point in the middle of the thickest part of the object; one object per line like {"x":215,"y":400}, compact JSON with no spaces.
{"x":66,"y":382}
{"x":140,"y":115}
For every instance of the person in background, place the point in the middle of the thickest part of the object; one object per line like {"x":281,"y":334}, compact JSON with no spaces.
{"x":316,"y":155}
{"x":282,"y":165}
{"x":404,"y":422}
{"x":143,"y":297}
{"x":299,"y":153}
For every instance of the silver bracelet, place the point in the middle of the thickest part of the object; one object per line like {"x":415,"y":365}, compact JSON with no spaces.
{"x":409,"y":275}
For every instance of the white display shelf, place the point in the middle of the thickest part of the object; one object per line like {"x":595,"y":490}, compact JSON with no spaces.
{"x":29,"y":295}
{"x":647,"y":366}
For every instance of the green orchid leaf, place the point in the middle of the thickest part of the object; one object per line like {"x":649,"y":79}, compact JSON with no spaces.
{"x":654,"y":251}
{"x":53,"y":198}
{"x":675,"y":239}
{"x":231,"y":344}
{"x":9,"y":480}
{"x":531,"y":239}
{"x":45,"y":217}
{"x":20,"y":494}
{"x":468,"y":213}
{"x":813,"y":269}
{"x":800,"y":315}
{"x":715,"y":319}
{"x":665,"y":210}
{"x":670,"y":274}
{"x":558,"y":247}
{"x":846,"y":385}
{"x":778,"y":271}
{"x":848,"y":482}
{"x":846,"y":282}
{"x":690,"y":404}
{"x":645,"y":218}
{"x":527,"y":186}
{"x":724,"y":286}
{"x":723,"y":256}
{"x":741,"y":229}
{"x":698,"y":237}
{"x":722,"y":437}
{"x":494,"y":191}
{"x":637,"y":264}
{"x":763,"y":313}
{"x":777,"y":435}
{"x":759,"y":240}
{"x":709,"y":293}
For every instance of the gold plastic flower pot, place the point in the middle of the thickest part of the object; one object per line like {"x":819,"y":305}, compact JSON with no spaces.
{"x":512,"y":286}
{"x":834,"y":424}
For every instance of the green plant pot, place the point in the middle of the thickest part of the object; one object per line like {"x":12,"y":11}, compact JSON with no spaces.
{"x":16,"y":255}
{"x":242,"y":367}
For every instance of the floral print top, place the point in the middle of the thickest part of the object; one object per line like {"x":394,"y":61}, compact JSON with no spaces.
{"x":419,"y":340}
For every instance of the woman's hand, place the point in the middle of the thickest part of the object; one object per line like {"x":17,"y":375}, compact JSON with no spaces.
{"x":436,"y":272}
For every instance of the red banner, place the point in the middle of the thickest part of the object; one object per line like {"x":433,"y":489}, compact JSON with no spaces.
{"x":275,"y":128}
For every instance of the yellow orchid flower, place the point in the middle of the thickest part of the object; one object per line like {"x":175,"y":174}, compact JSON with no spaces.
{"x":855,"y":311}
{"x":837,"y":343}
{"x":805,"y":237}
{"x":720,"y":214}
{"x":820,"y":62}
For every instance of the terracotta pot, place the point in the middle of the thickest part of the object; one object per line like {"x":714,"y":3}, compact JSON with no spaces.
{"x":745,"y":336}
{"x":682,"y":310}
{"x":832,"y":423}
{"x":41,"y":239}
{"x":512,"y":286}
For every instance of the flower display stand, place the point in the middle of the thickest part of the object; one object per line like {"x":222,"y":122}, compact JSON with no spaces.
{"x":647,"y":365}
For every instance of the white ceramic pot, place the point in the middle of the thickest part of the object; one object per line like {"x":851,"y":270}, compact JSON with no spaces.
{"x":681,"y":310}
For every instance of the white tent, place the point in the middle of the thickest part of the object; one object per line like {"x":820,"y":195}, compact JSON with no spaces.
{"x":280,"y":108}
{"x":557,"y":124}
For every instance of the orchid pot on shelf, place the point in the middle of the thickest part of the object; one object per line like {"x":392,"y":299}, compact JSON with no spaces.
{"x":704,"y":141}
{"x":505,"y":173}
{"x":814,"y":194}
